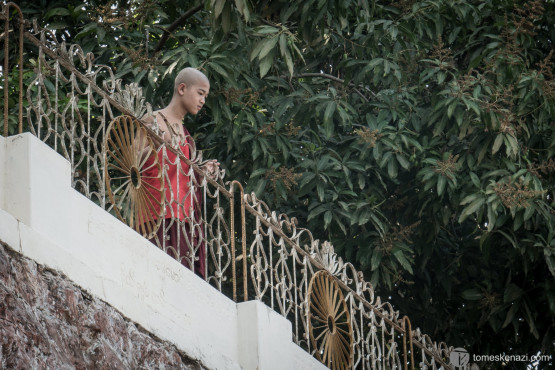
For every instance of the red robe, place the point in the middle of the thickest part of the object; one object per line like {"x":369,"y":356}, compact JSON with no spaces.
{"x":177,"y":187}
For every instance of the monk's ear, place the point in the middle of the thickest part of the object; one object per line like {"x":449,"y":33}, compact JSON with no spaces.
{"x":181,"y":88}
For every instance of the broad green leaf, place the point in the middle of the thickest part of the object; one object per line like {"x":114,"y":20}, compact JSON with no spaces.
{"x":57,"y":11}
{"x":317,"y":211}
{"x":243,"y":8}
{"x":512,"y":293}
{"x":402,"y":161}
{"x":400,"y":256}
{"x":376,"y":259}
{"x":258,"y":172}
{"x":100,"y":34}
{"x":327,"y":219}
{"x":511,"y":145}
{"x":441,"y":181}
{"x":264,"y":29}
{"x":216,"y":67}
{"x":364,"y":216}
{"x":307,"y":177}
{"x":497,"y":143}
{"x":452,"y":108}
{"x":218,"y":6}
{"x":529,"y":211}
{"x":531,"y":321}
{"x":256,"y":49}
{"x":472,"y":294}
{"x":330,"y":109}
{"x":267,"y":46}
{"x":475,"y":180}
{"x":392,"y":168}
{"x":259,"y":188}
{"x":282,"y":44}
{"x":550,"y":261}
{"x":511,"y":314}
{"x":320,"y":189}
{"x":469,"y":198}
{"x":265,"y":65}
{"x":471,"y":208}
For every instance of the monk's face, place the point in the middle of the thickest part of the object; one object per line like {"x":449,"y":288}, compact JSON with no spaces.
{"x":194,"y":96}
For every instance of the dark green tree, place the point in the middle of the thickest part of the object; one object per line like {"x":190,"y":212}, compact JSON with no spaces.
{"x":416,"y":135}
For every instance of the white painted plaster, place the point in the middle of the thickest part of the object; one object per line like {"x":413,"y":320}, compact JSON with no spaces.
{"x":9,"y":230}
{"x":8,"y":225}
{"x":263,"y":335}
{"x":265,"y":341}
{"x":36,"y":184}
{"x":46,"y":220}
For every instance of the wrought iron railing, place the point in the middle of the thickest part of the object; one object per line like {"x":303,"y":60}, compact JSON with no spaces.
{"x":83,"y":112}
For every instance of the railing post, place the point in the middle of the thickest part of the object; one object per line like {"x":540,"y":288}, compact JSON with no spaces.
{"x":5,"y":68}
{"x":6,"y":15}
{"x":243,"y":240}
{"x":409,"y":332}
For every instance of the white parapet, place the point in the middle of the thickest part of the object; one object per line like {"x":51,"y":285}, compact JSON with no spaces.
{"x":45,"y":219}
{"x":266,"y":340}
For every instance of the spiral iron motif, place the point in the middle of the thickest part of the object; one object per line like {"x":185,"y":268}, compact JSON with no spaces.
{"x":135,"y":202}
{"x":329,"y":322}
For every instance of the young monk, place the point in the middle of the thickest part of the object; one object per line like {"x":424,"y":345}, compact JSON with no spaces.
{"x":182,"y":204}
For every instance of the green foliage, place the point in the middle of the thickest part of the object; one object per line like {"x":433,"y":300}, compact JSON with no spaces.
{"x":416,"y":135}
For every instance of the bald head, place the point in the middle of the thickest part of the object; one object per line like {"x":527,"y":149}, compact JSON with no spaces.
{"x":190,"y":77}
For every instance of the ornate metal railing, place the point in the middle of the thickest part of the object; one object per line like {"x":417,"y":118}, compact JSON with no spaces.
{"x":82,"y":111}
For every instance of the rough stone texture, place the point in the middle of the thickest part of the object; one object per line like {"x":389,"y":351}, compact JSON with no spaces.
{"x":47,"y":322}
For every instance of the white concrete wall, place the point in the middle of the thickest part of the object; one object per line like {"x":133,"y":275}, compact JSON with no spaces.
{"x":46,"y":220}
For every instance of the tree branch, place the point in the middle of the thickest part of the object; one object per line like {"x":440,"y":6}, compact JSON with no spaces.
{"x":178,"y":22}
{"x":337,"y":79}
{"x":325,"y":75}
